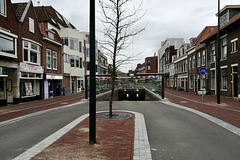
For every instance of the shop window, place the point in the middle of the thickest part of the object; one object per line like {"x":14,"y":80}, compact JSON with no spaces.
{"x":191,"y":82}
{"x":27,"y":88}
{"x":31,"y":52}
{"x":2,"y":88}
{"x":3,"y":7}
{"x":54,"y":60}
{"x":213,"y":79}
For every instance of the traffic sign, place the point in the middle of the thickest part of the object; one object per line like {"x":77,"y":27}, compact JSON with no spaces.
{"x":203,"y":70}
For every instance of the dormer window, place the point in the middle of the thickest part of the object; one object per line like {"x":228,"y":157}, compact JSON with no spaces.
{"x":3,"y":7}
{"x":31,"y":25}
{"x":50,"y":34}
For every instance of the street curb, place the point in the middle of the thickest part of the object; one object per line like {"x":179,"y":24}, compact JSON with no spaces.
{"x":141,"y":143}
{"x":217,"y":121}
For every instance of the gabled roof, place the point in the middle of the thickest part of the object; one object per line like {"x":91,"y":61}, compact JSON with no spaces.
{"x":214,"y":32}
{"x":19,"y":9}
{"x":49,"y":14}
{"x":44,"y":29}
{"x":205,"y":32}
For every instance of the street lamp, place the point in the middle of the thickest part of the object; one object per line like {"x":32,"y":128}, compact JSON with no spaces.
{"x":218,"y":57}
{"x":92,"y":103}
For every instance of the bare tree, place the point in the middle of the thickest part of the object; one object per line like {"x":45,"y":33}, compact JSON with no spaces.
{"x":119,"y":20}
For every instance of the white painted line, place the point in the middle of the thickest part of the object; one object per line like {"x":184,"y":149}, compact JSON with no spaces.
{"x":141,"y":144}
{"x":4,"y":123}
{"x":217,"y":121}
{"x":32,"y":152}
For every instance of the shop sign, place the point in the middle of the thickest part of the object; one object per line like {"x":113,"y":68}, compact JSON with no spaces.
{"x":24,"y":67}
{"x":51,"y":76}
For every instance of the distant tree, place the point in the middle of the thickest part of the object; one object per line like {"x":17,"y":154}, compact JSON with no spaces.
{"x":119,"y":19}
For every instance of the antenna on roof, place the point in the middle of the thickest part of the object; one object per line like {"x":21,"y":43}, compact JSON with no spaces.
{"x":38,"y":2}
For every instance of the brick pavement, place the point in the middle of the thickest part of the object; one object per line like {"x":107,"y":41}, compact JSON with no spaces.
{"x":228,"y":110}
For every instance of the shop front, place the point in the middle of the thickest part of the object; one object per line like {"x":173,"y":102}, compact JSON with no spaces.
{"x":80,"y":84}
{"x":31,"y":77}
{"x":3,"y":86}
{"x":52,"y":85}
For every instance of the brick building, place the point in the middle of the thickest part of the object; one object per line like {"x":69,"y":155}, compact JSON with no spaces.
{"x":229,"y":53}
{"x":9,"y":53}
{"x":151,"y":64}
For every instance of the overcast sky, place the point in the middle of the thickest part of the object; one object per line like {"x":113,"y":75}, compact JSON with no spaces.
{"x":164,"y":19}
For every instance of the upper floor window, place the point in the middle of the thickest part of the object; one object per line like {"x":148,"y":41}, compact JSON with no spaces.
{"x":224,"y":48}
{"x":7,"y":45}
{"x":65,"y":41}
{"x":74,"y":44}
{"x":51,"y":35}
{"x":54,"y":60}
{"x":49,"y":66}
{"x":203,"y":58}
{"x":31,"y":52}
{"x":213,"y":53}
{"x":193,"y":62}
{"x":199,"y":59}
{"x":3,"y":7}
{"x":190,"y":62}
{"x":31,"y":25}
{"x":234,"y":43}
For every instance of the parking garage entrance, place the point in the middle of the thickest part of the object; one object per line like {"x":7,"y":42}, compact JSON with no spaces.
{"x":132,"y":87}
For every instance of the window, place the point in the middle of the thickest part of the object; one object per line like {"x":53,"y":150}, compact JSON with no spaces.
{"x":202,"y":83}
{"x":31,"y":25}
{"x":199,"y":59}
{"x":77,"y":63}
{"x":190,"y":62}
{"x":224,"y":48}
{"x":224,"y":79}
{"x":80,"y":46}
{"x":31,"y":52}
{"x":3,"y":7}
{"x":234,"y":43}
{"x":54,"y":60}
{"x":213,"y":79}
{"x":203,"y":58}
{"x":66,"y":58}
{"x":72,"y":62}
{"x":149,"y":67}
{"x":191,"y":82}
{"x":81,"y":63}
{"x":65,"y":41}
{"x":48,"y":52}
{"x":74,"y":44}
{"x":7,"y":44}
{"x":87,"y":52}
{"x":193,"y":62}
{"x":213,"y":53}
{"x":50,"y":35}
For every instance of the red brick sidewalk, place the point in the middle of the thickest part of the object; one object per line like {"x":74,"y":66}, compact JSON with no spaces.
{"x":17,"y":110}
{"x":228,"y":110}
{"x":115,"y":141}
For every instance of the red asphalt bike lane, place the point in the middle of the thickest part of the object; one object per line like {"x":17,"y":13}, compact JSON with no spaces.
{"x":14,"y":111}
{"x":228,"y":110}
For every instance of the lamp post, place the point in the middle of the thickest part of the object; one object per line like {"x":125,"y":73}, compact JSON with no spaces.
{"x":92,"y":103}
{"x":218,"y":57}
